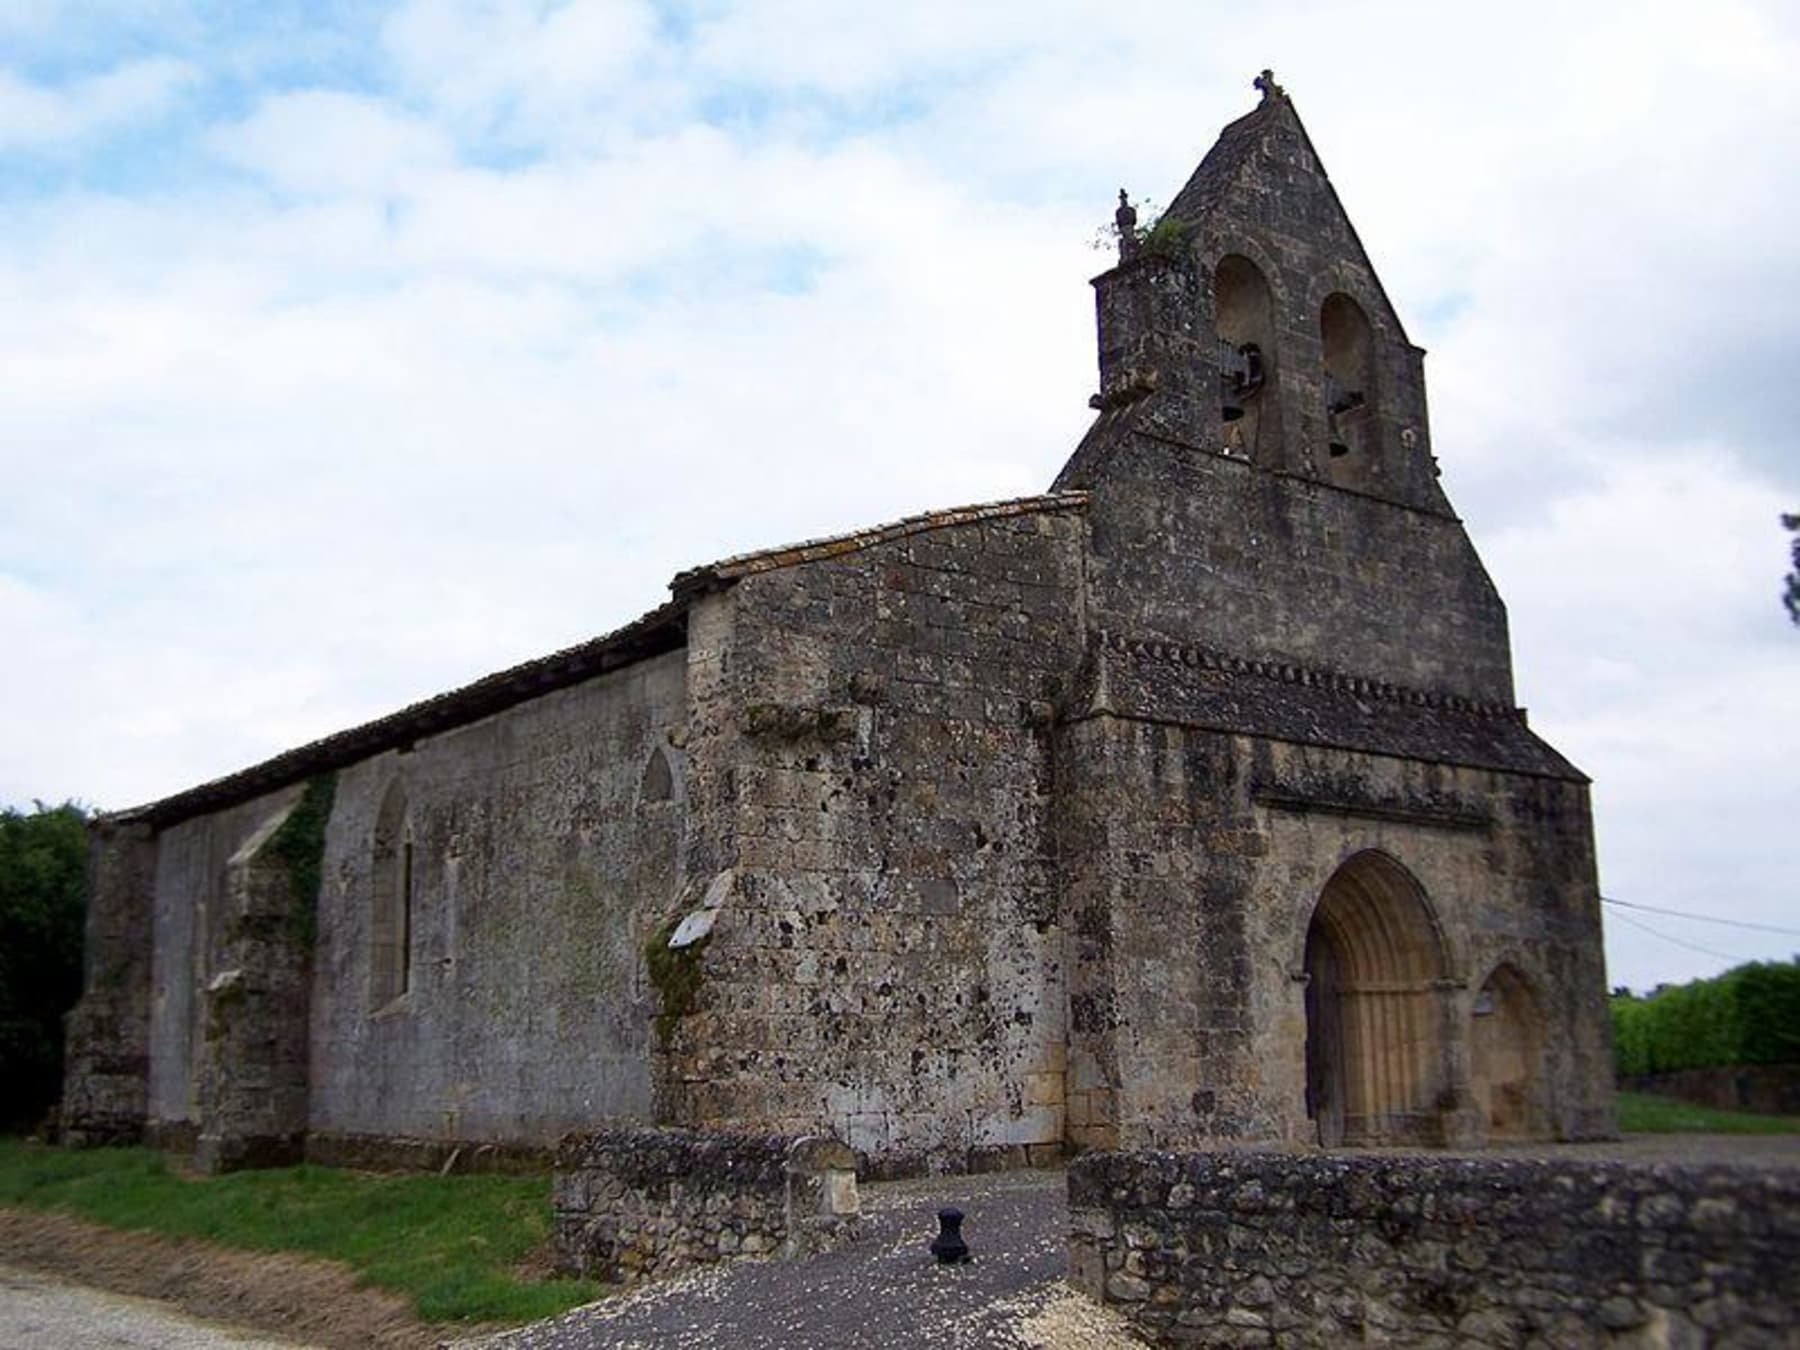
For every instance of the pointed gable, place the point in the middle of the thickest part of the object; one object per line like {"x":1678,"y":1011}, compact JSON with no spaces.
{"x":1223,"y":166}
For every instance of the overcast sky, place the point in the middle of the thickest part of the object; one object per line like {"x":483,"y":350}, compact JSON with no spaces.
{"x":351,"y":351}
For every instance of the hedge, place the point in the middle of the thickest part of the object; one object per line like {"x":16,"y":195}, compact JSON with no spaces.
{"x":1749,"y":1015}
{"x":43,"y":855}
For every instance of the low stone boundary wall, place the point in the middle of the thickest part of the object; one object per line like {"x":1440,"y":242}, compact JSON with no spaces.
{"x":635,"y":1203}
{"x":1773,"y":1089}
{"x":1304,"y":1250}
{"x":398,"y":1153}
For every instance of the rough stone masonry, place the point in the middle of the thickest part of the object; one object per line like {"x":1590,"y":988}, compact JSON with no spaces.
{"x":1309,"y":1250}
{"x":1188,"y":802}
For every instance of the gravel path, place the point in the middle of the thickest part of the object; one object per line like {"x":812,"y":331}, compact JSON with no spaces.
{"x":884,"y":1291}
{"x":41,"y":1313}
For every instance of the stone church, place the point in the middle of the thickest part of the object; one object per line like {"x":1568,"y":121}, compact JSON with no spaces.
{"x":1188,"y":802}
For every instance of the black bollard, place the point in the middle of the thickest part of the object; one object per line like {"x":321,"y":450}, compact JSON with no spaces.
{"x":948,"y":1246}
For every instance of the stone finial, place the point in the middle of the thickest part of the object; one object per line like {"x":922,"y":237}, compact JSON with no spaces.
{"x":1265,"y":82}
{"x":1125,"y":221}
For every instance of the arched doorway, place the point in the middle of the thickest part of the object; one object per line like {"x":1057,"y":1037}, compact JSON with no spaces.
{"x":1506,"y":1049}
{"x":1374,"y":1027}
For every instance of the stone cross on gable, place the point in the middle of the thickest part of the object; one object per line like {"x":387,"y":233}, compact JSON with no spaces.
{"x":1265,"y":82}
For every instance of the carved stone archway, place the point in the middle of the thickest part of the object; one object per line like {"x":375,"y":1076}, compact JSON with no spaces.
{"x":1375,"y":1063}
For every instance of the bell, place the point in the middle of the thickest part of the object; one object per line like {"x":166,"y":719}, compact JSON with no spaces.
{"x":1338,"y":449}
{"x":1231,"y":412}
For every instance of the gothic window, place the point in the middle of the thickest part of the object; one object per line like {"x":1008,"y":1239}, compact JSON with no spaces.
{"x":1349,"y":390}
{"x":659,"y":779}
{"x":394,"y":885}
{"x":1243,"y":319}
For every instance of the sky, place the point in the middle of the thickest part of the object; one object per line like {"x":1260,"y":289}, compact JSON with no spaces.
{"x":350,"y":351}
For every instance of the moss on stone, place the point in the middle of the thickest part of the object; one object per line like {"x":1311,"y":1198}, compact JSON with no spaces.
{"x":675,"y":974}
{"x":300,"y":846}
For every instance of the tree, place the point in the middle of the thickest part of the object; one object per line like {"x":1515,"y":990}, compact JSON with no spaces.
{"x":43,"y":857}
{"x":1790,"y":595}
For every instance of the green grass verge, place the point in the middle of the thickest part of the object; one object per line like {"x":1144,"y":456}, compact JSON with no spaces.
{"x":449,"y":1243}
{"x":1641,"y":1113}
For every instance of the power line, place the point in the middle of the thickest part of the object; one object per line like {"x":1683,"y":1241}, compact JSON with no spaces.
{"x":1679,"y":942}
{"x":1703,"y":918}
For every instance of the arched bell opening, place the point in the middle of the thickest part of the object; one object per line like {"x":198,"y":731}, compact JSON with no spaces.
{"x":1350,"y":421}
{"x":1506,"y":1056}
{"x":1375,"y":1063}
{"x":1243,"y":320}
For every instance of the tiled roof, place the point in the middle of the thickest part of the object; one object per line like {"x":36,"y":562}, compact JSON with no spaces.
{"x":662,"y":629}
{"x":698,"y":580}
{"x":1279,"y":699}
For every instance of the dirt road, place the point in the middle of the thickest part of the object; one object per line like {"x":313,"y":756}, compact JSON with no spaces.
{"x":38,"y":1312}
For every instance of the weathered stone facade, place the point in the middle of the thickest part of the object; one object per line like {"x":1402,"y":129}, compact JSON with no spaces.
{"x":1266,"y":1248}
{"x":1187,"y":802}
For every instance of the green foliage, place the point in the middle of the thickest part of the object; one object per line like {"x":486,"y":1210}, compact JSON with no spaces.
{"x":1790,"y":593}
{"x":1642,"y":1113}
{"x":300,"y":844}
{"x":675,"y":974}
{"x":1166,"y":236}
{"x":450,"y":1243}
{"x":1749,"y":1015}
{"x":43,"y":857}
{"x":1159,"y":234}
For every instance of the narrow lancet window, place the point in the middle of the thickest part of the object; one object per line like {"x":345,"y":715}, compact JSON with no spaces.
{"x":403,"y":939}
{"x":393,"y":893}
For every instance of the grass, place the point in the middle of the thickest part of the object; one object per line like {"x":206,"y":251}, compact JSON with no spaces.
{"x":449,"y":1243}
{"x":1641,"y":1113}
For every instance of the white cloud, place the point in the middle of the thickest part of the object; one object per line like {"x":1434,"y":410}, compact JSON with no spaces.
{"x":35,"y":116}
{"x":1653,"y":652}
{"x":522,"y":69}
{"x":326,"y":143}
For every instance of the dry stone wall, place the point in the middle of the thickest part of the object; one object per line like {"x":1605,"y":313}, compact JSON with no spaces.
{"x":1773,"y":1089}
{"x":1314,"y":1250}
{"x":633,"y":1204}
